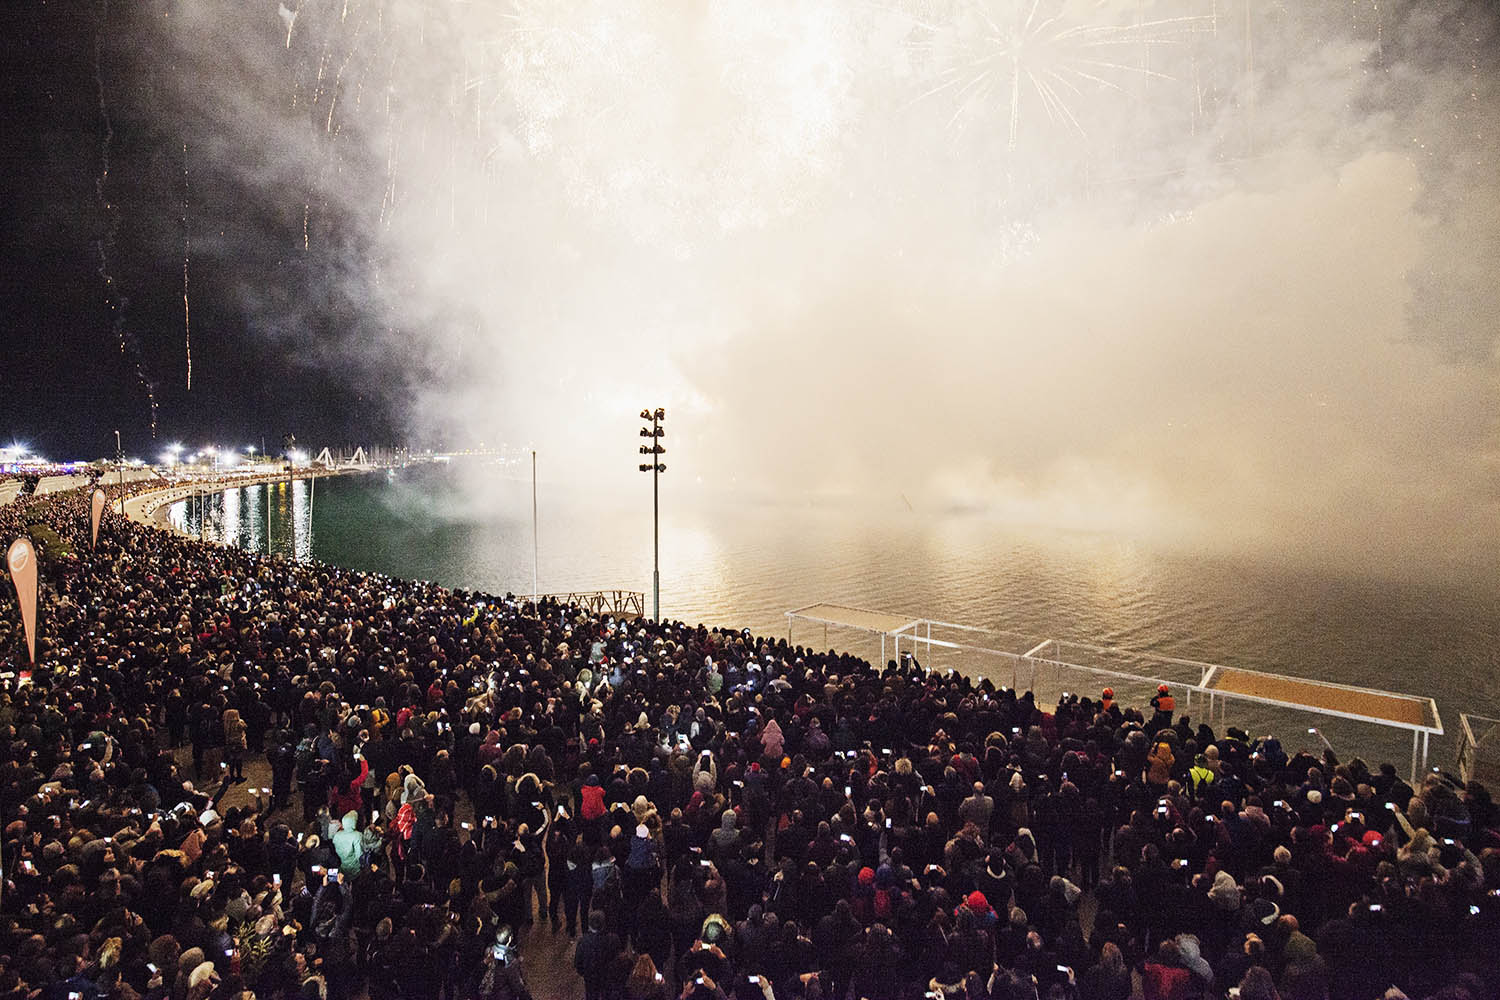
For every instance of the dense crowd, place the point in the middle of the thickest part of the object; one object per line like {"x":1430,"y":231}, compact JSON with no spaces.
{"x":708,"y":813}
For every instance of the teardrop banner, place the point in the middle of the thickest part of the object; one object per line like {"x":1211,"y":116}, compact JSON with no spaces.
{"x":97,"y":514}
{"x":21,"y":558}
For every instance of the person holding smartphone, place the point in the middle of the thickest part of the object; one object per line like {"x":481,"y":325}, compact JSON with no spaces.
{"x":499,"y":973}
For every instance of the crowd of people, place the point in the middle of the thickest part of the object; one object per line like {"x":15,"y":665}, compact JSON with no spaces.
{"x":456,"y":778}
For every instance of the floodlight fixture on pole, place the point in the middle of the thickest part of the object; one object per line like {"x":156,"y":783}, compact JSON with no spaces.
{"x":655,"y":432}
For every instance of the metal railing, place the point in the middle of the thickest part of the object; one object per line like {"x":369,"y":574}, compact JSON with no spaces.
{"x":617,"y":603}
{"x":1051,"y":667}
{"x":1478,"y":747}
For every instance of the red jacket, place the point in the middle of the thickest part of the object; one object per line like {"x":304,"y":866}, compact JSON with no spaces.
{"x":591,"y":802}
{"x":1168,"y":982}
{"x":346,"y":798}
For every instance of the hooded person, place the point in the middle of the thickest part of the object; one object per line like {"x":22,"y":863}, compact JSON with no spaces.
{"x":726,"y":838}
{"x":412,"y":790}
{"x":1225,"y":893}
{"x":1190,"y":951}
{"x":349,"y":844}
{"x":772,"y":741}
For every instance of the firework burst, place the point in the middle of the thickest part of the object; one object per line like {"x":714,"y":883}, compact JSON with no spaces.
{"x":1016,"y":58}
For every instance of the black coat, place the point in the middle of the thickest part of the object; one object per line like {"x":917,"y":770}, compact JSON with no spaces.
{"x":593,"y":957}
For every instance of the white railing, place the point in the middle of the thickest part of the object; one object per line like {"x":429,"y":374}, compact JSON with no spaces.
{"x":1051,"y":668}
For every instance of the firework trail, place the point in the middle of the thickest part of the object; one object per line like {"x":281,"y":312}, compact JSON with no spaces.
{"x":289,"y":18}
{"x":116,"y":301}
{"x":187,"y":324}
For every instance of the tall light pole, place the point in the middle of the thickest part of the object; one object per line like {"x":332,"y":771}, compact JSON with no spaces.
{"x":535,"y":544}
{"x":655,"y":432}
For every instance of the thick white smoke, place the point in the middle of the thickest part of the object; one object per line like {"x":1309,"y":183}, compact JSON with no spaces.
{"x":1216,"y":271}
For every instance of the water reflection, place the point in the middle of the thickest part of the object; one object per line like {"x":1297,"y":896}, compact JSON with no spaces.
{"x":274,"y":518}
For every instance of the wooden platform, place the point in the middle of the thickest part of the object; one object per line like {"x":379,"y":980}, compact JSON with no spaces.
{"x":1379,"y":706}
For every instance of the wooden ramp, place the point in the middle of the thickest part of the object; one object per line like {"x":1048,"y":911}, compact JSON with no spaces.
{"x":1377,"y":706}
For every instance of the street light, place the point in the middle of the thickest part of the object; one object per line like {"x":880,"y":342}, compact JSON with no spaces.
{"x":655,"y":432}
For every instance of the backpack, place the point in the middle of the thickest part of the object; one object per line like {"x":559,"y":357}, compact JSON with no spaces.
{"x":306,"y":754}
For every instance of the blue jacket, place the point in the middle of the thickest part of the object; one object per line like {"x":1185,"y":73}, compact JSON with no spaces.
{"x":643,"y":853}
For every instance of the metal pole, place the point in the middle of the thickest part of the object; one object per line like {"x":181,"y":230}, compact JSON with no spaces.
{"x":655,"y":531}
{"x":655,"y":451}
{"x":535,"y":544}
{"x":1415,"y":738}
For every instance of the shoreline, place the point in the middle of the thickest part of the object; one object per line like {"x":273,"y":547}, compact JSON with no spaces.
{"x":149,"y":509}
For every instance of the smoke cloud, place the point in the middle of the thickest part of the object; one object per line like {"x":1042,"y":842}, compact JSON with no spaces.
{"x":1219,"y":273}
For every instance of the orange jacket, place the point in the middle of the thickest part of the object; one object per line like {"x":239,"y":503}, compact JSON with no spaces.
{"x":1159,"y":764}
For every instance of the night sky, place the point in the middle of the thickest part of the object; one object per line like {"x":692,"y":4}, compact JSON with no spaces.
{"x":76,"y":359}
{"x":1215,"y":271}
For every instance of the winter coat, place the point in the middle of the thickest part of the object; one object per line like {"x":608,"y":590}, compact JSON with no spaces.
{"x":772,"y":741}
{"x":349,"y":844}
{"x":644,"y":853}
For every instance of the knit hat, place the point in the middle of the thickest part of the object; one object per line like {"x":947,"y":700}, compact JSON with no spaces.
{"x":867,"y":876}
{"x":976,"y":902}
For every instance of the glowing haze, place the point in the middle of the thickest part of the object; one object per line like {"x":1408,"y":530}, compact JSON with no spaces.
{"x":1200,"y":269}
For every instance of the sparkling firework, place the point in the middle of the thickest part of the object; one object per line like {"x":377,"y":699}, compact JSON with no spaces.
{"x":113,"y":298}
{"x":1015,"y":54}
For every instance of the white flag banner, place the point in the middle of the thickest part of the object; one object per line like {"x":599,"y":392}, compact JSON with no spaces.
{"x":21,"y":558}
